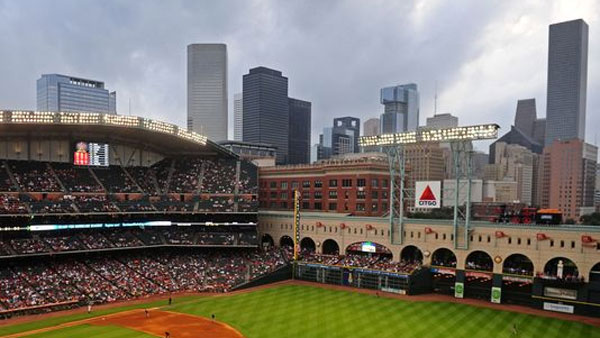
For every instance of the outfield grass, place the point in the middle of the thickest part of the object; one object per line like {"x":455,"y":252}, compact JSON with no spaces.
{"x":304,"y":311}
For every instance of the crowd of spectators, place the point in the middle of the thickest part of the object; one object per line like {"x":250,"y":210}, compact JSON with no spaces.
{"x":76,"y":179}
{"x":360,"y":260}
{"x":108,"y":278}
{"x":5,"y":181}
{"x":93,"y":203}
{"x":115,"y":180}
{"x":57,"y":205}
{"x":11,"y":204}
{"x":34,"y":176}
{"x":95,"y":239}
{"x":145,"y":178}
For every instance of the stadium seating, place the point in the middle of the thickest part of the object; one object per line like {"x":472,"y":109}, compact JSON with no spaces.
{"x":99,"y":279}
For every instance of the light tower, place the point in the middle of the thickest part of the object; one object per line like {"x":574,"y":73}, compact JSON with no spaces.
{"x":460,"y":139}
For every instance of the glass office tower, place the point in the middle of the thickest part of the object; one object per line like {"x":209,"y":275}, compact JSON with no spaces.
{"x":56,"y":92}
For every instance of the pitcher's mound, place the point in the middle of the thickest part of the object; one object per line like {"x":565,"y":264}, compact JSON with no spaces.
{"x":177,"y":324}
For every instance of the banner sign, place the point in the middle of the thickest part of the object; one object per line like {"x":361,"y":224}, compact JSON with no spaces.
{"x":477,"y":274}
{"x":459,"y":290}
{"x":444,"y":271}
{"x":559,"y":307}
{"x":560,"y":293}
{"x":496,"y":294}
{"x":428,"y":194}
{"x":392,"y":290}
{"x":517,"y":279}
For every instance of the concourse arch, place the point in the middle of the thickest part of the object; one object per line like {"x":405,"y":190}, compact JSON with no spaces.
{"x":518,"y":264}
{"x":443,"y":257}
{"x":308,"y":244}
{"x":330,"y":247}
{"x":286,"y":241}
{"x":595,"y":273}
{"x":569,"y":268}
{"x":267,"y":241}
{"x":411,"y":253}
{"x":479,"y":260}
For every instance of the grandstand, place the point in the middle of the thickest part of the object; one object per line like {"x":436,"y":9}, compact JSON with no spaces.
{"x":98,"y":208}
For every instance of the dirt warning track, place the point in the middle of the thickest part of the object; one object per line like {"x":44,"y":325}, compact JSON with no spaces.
{"x":179,"y":325}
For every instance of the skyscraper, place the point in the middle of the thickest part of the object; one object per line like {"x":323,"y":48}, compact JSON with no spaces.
{"x":401,"y":112}
{"x":56,"y":92}
{"x":371,"y":127}
{"x":438,"y":121}
{"x":340,"y":139}
{"x":266,"y":110}
{"x":525,"y":116}
{"x":207,"y":90}
{"x":299,"y":131}
{"x":238,"y":117}
{"x":567,"y":81}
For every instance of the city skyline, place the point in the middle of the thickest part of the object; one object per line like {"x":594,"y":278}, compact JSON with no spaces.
{"x":506,"y":46}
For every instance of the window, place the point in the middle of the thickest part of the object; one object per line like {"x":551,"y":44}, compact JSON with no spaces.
{"x":374,"y":183}
{"x":333,"y":183}
{"x":361,"y":182}
{"x":360,"y":207}
{"x":318,"y":195}
{"x":294,"y":185}
{"x":347,"y":182}
{"x":273,"y":184}
{"x":305,"y":205}
{"x":384,"y":183}
{"x":374,"y":207}
{"x":318,"y":184}
{"x":318,"y":206}
{"x":284,"y":205}
{"x":509,"y":240}
{"x":305,"y":184}
{"x":332,"y":193}
{"x":332,"y":206}
{"x":551,"y":242}
{"x":384,"y":194}
{"x":375,"y":195}
{"x":273,"y":194}
{"x":284,"y":195}
{"x":284,"y":185}
{"x":361,"y":194}
{"x":528,"y":241}
{"x":572,"y":244}
{"x":305,"y":195}
{"x":384,"y":206}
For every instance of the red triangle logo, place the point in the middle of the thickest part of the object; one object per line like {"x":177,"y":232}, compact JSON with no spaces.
{"x":427,"y":195}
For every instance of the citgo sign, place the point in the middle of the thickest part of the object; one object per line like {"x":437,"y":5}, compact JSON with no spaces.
{"x":428,"y":194}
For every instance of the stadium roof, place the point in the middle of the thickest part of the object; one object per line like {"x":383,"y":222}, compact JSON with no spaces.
{"x":162,"y":137}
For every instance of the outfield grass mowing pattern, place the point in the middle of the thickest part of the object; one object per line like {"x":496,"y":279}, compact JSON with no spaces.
{"x":304,"y":311}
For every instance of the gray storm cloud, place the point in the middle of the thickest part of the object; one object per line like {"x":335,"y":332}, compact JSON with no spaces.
{"x":337,"y":54}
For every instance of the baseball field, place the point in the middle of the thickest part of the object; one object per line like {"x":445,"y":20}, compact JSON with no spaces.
{"x":299,"y":310}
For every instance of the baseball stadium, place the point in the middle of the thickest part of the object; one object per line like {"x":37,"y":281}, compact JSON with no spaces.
{"x":121,"y":226}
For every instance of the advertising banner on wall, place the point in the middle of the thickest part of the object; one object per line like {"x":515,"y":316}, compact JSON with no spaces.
{"x":428,"y":194}
{"x":459,"y":290}
{"x":496,"y":294}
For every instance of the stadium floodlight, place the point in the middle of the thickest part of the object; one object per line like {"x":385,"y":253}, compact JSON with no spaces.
{"x":468,"y":133}
{"x":92,"y":119}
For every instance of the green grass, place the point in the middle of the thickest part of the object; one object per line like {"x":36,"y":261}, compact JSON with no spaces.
{"x":304,"y":311}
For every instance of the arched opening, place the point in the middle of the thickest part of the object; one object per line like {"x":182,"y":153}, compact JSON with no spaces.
{"x":479,"y":260}
{"x":478,"y":275}
{"x":411,"y":254}
{"x":286,"y":241}
{"x":307,"y":244}
{"x":518,"y":264}
{"x":330,"y":247}
{"x":595,"y":273}
{"x":267,"y":241}
{"x":443,"y":263}
{"x":443,"y":257}
{"x":517,"y":281}
{"x":561,"y":268}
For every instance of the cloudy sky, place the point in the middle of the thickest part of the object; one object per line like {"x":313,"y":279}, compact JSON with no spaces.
{"x":484,"y":55}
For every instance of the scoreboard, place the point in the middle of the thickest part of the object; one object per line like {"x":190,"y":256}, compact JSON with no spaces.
{"x":92,"y":154}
